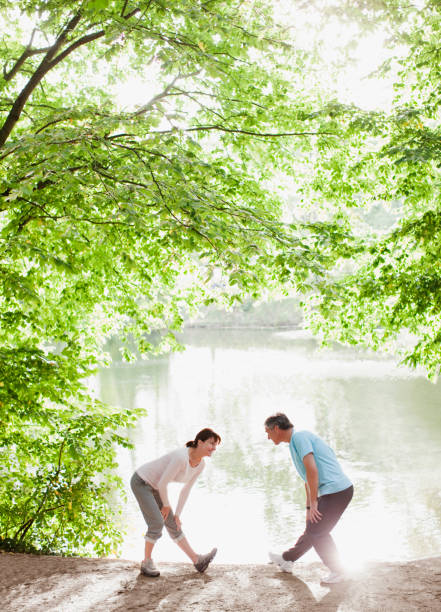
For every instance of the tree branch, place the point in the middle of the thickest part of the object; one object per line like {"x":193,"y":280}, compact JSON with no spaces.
{"x":43,"y":68}
{"x":119,"y":180}
{"x":27,"y":218}
{"x":123,"y":10}
{"x":221,"y":128}
{"x":164,"y":93}
{"x":84,"y":40}
{"x":272,"y":41}
{"x":28,"y":52}
{"x":40,"y":510}
{"x":41,"y":184}
{"x":51,"y":123}
{"x":216,"y":97}
{"x":186,"y":225}
{"x":50,"y":60}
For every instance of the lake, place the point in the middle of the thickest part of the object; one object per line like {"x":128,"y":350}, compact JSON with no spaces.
{"x":383,"y":421}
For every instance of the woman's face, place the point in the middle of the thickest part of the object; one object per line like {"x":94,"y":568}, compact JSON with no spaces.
{"x":208,"y":447}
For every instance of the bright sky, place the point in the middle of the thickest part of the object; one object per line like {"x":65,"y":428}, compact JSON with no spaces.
{"x":368,"y":52}
{"x":354,"y":84}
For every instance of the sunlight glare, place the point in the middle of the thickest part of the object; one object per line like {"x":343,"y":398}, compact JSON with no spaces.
{"x":136,"y":90}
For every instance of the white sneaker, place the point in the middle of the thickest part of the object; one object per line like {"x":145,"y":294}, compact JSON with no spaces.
{"x":148,"y":568}
{"x":334,"y":578}
{"x":285,"y":566}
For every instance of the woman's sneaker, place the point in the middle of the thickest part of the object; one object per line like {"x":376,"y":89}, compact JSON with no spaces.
{"x":148,"y":568}
{"x":204,"y":560}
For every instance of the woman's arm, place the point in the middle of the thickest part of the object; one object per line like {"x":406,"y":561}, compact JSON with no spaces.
{"x":169,"y":473}
{"x":185,"y":491}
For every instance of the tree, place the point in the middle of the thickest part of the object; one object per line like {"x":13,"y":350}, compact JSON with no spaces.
{"x":113,"y":220}
{"x":386,"y":292}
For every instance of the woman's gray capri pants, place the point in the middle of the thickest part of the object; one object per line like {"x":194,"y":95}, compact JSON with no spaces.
{"x":150,"y":503}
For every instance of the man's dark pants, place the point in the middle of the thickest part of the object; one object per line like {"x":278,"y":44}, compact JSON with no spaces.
{"x":318,"y":535}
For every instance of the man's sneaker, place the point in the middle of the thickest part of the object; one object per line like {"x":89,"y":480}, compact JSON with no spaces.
{"x":285,"y":566}
{"x":204,"y":560}
{"x":334,"y":578}
{"x":148,"y":568}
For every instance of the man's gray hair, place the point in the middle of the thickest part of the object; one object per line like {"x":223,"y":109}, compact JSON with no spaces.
{"x":279,"y":419}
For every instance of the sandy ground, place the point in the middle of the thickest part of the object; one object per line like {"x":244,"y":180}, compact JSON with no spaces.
{"x":43,"y":584}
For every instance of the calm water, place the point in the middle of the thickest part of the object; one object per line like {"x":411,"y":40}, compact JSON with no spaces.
{"x":384,"y":423}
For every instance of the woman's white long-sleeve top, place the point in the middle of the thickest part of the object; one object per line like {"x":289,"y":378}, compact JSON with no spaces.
{"x":172,"y":467}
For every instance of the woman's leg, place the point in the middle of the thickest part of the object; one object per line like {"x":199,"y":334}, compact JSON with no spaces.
{"x":176,"y":534}
{"x":201,"y":562}
{"x":150,"y":503}
{"x":148,"y":550}
{"x":185,"y":546}
{"x":146,"y":498}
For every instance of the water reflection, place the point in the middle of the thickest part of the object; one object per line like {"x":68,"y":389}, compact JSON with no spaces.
{"x":383,"y":421}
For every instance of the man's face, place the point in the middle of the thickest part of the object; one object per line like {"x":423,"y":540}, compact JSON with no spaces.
{"x":274,"y":434}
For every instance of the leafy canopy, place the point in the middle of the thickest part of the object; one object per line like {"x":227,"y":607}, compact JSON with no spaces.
{"x":113,"y":220}
{"x":386,"y":292}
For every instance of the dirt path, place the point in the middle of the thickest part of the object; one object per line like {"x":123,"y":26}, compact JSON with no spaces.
{"x":47,"y":584}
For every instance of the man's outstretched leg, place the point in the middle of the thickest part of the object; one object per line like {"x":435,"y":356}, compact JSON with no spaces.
{"x":317,"y":535}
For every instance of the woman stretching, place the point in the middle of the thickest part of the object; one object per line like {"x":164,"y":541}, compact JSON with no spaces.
{"x":149,"y":485}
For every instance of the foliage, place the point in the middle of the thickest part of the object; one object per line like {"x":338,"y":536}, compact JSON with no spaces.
{"x":386,"y":293}
{"x":114,"y":219}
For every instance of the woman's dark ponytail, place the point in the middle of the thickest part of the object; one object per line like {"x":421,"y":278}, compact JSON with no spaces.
{"x":203,"y":435}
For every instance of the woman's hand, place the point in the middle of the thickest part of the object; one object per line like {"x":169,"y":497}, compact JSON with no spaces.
{"x":178,"y":522}
{"x":165,"y":511}
{"x":313,"y":514}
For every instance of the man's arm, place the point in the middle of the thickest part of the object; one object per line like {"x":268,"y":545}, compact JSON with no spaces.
{"x":308,"y":497}
{"x":311,"y":486}
{"x":308,"y":502}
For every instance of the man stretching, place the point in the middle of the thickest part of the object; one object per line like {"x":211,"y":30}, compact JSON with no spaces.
{"x":328,"y":492}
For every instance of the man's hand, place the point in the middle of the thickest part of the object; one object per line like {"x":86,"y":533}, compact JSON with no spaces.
{"x":313,"y":514}
{"x":165,"y":511}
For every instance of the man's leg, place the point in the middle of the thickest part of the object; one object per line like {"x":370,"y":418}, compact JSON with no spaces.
{"x":327,"y":551}
{"x":332,"y":506}
{"x":317,"y":535}
{"x":303,"y":544}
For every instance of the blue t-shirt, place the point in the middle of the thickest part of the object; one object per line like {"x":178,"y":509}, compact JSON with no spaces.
{"x":331,"y":477}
